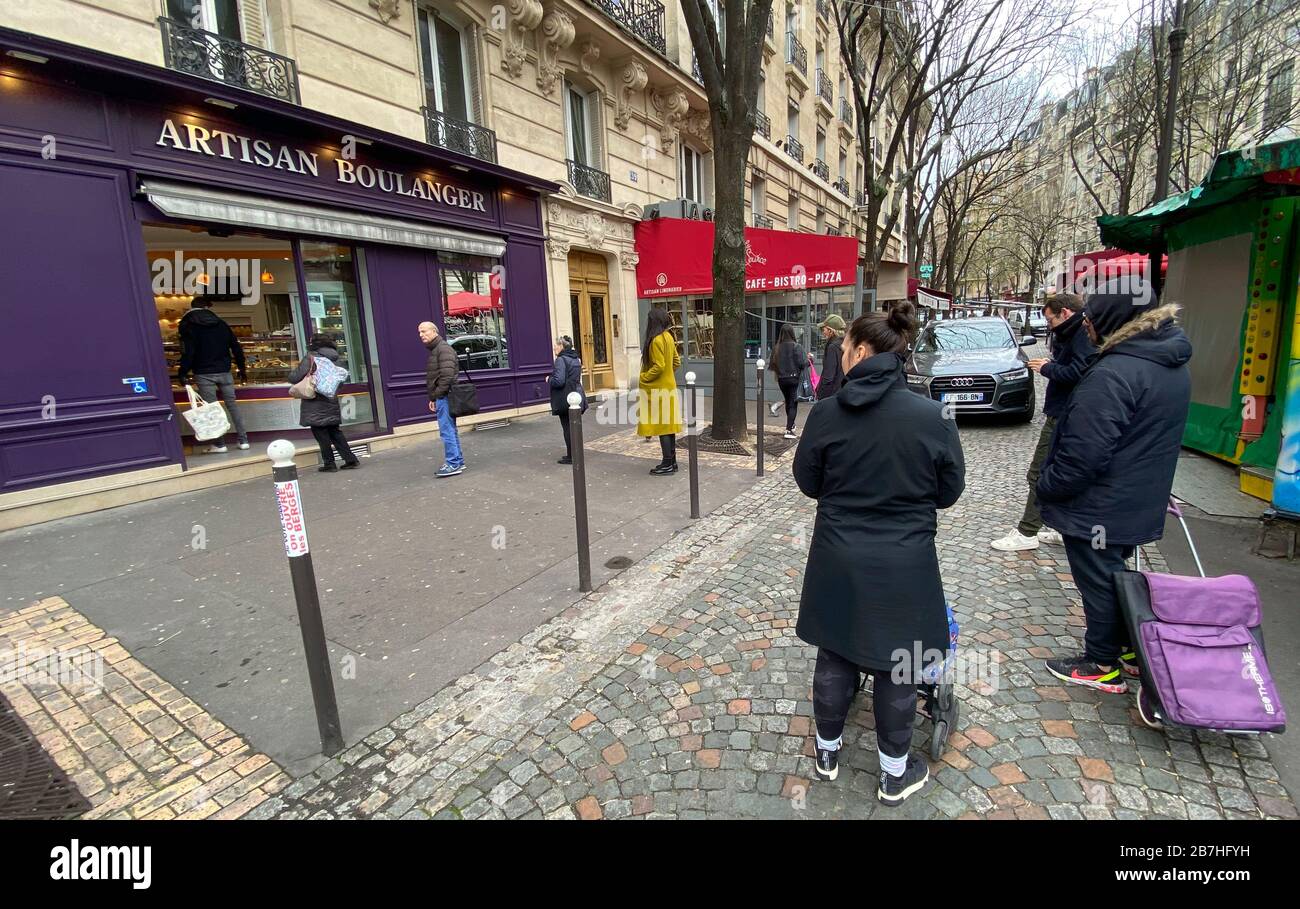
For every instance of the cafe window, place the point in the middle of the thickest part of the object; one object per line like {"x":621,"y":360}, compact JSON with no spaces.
{"x":447,"y":60}
{"x":700,"y":335}
{"x":474,"y":310}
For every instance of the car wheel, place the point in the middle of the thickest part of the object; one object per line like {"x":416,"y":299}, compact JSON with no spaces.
{"x":1028,"y":414}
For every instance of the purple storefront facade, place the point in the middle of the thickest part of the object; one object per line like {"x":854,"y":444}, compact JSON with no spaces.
{"x":97,"y":150}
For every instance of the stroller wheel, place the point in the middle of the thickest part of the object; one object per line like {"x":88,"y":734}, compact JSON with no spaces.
{"x":1147,"y":709}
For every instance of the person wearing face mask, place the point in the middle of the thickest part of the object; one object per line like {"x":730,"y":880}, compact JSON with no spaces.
{"x":880,"y":461}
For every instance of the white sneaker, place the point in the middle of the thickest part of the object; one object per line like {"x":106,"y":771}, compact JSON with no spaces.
{"x":1015,"y":542}
{"x":774,"y":408}
{"x":244,"y":446}
{"x":1050,"y":536}
{"x":215,"y":449}
{"x":790,"y":435}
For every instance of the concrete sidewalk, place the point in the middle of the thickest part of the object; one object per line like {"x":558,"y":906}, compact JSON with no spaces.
{"x":420,"y":579}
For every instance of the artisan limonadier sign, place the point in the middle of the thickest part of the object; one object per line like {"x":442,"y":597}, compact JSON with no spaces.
{"x":217,"y":143}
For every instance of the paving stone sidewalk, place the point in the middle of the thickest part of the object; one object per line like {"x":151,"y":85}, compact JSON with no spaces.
{"x":680,"y":690}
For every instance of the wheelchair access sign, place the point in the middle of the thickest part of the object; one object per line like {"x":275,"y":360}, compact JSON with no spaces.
{"x":139,"y":384}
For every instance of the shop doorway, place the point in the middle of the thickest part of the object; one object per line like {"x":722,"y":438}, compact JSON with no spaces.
{"x":592,"y":332}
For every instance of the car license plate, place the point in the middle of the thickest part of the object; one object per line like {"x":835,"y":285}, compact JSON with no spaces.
{"x":963,"y":397}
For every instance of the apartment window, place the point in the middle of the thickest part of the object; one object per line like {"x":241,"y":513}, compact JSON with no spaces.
{"x":690,"y":168}
{"x":792,"y":120}
{"x":720,"y":20}
{"x":844,"y":164}
{"x":445,"y":53}
{"x":862,"y":178}
{"x":578,"y":110}
{"x":821,"y":144}
{"x":760,"y":100}
{"x":792,"y":212}
{"x":220,"y":17}
{"x":1277,"y":101}
{"x":821,"y":221}
{"x":758,"y":195}
{"x":792,"y":18}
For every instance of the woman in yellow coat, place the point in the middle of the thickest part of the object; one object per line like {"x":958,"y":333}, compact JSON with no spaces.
{"x":658,"y":410}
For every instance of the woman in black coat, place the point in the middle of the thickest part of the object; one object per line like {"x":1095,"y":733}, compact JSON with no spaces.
{"x":566,"y":377}
{"x":880,"y":460}
{"x":322,"y":414}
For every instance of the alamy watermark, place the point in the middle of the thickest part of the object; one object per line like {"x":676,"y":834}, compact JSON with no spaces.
{"x":77,"y":669}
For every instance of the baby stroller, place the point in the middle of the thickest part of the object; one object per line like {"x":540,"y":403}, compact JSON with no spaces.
{"x":938,"y":697}
{"x":1199,"y":643}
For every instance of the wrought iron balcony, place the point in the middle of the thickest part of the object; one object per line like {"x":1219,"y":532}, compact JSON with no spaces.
{"x":825,"y":90}
{"x":823,"y":9}
{"x":642,"y":19}
{"x":842,"y":187}
{"x":794,"y":148}
{"x":695,"y":69}
{"x":861,"y":198}
{"x":589,"y":182}
{"x":760,"y":221}
{"x":821,"y":169}
{"x":846,"y":111}
{"x":459,"y":136}
{"x":212,"y":56}
{"x":796,"y":54}
{"x":763,"y":125}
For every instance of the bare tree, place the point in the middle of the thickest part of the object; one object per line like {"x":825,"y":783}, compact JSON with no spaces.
{"x":729,"y":69}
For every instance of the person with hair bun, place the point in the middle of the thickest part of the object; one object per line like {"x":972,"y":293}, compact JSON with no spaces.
{"x":880,"y":460}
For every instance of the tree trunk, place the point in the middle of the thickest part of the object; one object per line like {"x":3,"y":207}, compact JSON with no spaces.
{"x":729,"y":162}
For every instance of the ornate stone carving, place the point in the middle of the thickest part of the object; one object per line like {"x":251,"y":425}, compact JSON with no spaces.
{"x":628,"y":259}
{"x":590,"y":54}
{"x":698,"y":124}
{"x":559,"y":249}
{"x":388,"y":10}
{"x":522,"y":17}
{"x":631,"y":80}
{"x":596,"y":229}
{"x":557,"y":33}
{"x":673,"y":106}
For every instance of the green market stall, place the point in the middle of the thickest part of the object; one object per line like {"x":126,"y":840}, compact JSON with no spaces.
{"x":1234,"y":262}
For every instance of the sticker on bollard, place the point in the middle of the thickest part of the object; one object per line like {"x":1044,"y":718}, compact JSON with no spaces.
{"x":295,"y":530}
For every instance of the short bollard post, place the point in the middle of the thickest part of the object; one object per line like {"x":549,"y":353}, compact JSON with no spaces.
{"x":580,"y":492}
{"x":760,"y":366}
{"x":692,"y":447}
{"x":294,"y":523}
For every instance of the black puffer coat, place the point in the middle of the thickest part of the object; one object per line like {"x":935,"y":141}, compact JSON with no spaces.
{"x":320,"y":410}
{"x":566,"y":377}
{"x":879,"y":460}
{"x":1072,"y":354}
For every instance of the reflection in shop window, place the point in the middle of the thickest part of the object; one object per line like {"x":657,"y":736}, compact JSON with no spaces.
{"x":474,"y":310}
{"x":333,"y":304}
{"x":676,"y":323}
{"x":700,"y":336}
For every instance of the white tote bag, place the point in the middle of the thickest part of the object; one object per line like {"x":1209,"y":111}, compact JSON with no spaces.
{"x":209,"y":420}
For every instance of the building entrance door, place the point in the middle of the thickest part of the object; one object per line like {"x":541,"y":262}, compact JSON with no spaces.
{"x":589,"y":300}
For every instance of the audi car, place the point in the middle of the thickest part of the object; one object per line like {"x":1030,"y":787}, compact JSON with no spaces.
{"x":977,"y":365}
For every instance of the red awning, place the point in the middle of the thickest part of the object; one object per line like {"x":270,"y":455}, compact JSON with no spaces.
{"x":465,"y":302}
{"x":675,"y":258}
{"x":913,"y":286}
{"x":1113,"y":263}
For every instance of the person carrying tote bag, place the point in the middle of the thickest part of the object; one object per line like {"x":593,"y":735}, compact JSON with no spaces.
{"x":321,"y":413}
{"x":208,"y":418}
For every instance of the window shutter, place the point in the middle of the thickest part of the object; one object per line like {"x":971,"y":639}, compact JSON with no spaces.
{"x":596,"y":126}
{"x":474,"y":77}
{"x":252,"y":23}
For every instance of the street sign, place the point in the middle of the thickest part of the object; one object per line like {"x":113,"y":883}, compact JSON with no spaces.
{"x":926,"y":271}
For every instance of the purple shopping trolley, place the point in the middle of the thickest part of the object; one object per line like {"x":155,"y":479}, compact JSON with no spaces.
{"x":1200,"y":652}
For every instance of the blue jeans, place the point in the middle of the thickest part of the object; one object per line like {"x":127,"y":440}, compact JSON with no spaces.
{"x":450,"y":438}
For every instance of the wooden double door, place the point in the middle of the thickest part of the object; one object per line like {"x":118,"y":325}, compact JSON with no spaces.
{"x":593,"y":332}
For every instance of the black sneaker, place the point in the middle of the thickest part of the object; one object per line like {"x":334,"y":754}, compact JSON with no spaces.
{"x":328,"y":468}
{"x":663,"y":469}
{"x":565,"y":460}
{"x":351,"y":465}
{"x":894,"y":790}
{"x":828,"y":762}
{"x":1079,"y":670}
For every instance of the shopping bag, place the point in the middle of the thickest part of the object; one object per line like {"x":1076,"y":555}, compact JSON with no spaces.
{"x":814,"y":377}
{"x":462,"y":400}
{"x":209,"y":420}
{"x":305,"y":387}
{"x":329,"y":376}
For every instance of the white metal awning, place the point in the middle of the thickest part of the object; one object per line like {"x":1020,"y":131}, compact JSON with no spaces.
{"x":931,"y":300}
{"x":182,"y":200}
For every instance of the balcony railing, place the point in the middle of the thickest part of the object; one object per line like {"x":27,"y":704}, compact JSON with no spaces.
{"x":459,"y":136}
{"x":796,"y":54}
{"x":846,"y":111}
{"x":825,"y":89}
{"x":842,"y":187}
{"x":861,"y":198}
{"x":589,"y":182}
{"x":212,"y":56}
{"x":794,"y":148}
{"x":763,"y":125}
{"x":695,"y":69}
{"x":823,"y":9}
{"x":821,"y":169}
{"x":643,"y":19}
{"x":760,"y":221}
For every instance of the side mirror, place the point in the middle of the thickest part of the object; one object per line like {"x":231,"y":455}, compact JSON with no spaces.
{"x":1028,"y":341}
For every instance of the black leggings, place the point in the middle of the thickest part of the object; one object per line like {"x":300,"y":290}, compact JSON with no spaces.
{"x":835,"y":681}
{"x":790,"y":390}
{"x":568,"y":435}
{"x":330,"y":437}
{"x":668,"y":445}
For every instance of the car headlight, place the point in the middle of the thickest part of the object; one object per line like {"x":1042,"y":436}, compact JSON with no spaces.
{"x":915,"y":380}
{"x":1022,"y":373}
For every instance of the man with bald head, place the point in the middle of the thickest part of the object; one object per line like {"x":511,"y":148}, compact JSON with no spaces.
{"x":440,"y":375}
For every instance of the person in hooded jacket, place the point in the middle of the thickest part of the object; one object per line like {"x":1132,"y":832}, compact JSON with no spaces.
{"x":322,"y":414}
{"x":880,"y":461}
{"x":208,"y":348}
{"x":1106,"y":480}
{"x":832,"y":372}
{"x":566,"y":378}
{"x":1072,"y":354}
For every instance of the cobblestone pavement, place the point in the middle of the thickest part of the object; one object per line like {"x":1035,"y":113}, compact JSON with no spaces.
{"x":680,"y":690}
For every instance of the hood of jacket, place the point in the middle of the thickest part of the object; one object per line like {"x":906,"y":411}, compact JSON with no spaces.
{"x":201,"y":317}
{"x":1154,"y":335}
{"x":867,"y":382}
{"x":571,"y":354}
{"x":328,"y":351}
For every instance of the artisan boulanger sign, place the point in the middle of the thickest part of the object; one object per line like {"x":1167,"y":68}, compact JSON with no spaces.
{"x":217,"y":143}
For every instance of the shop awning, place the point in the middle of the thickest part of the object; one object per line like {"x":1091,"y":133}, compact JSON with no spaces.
{"x":196,"y":203}
{"x":675,"y":258}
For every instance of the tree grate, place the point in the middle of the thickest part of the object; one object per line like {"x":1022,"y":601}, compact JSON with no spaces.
{"x":32,"y":785}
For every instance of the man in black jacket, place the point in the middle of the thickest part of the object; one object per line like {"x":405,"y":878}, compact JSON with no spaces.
{"x":1072,"y":354}
{"x":207,"y":348}
{"x":1106,"y":481}
{"x":440,"y":376}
